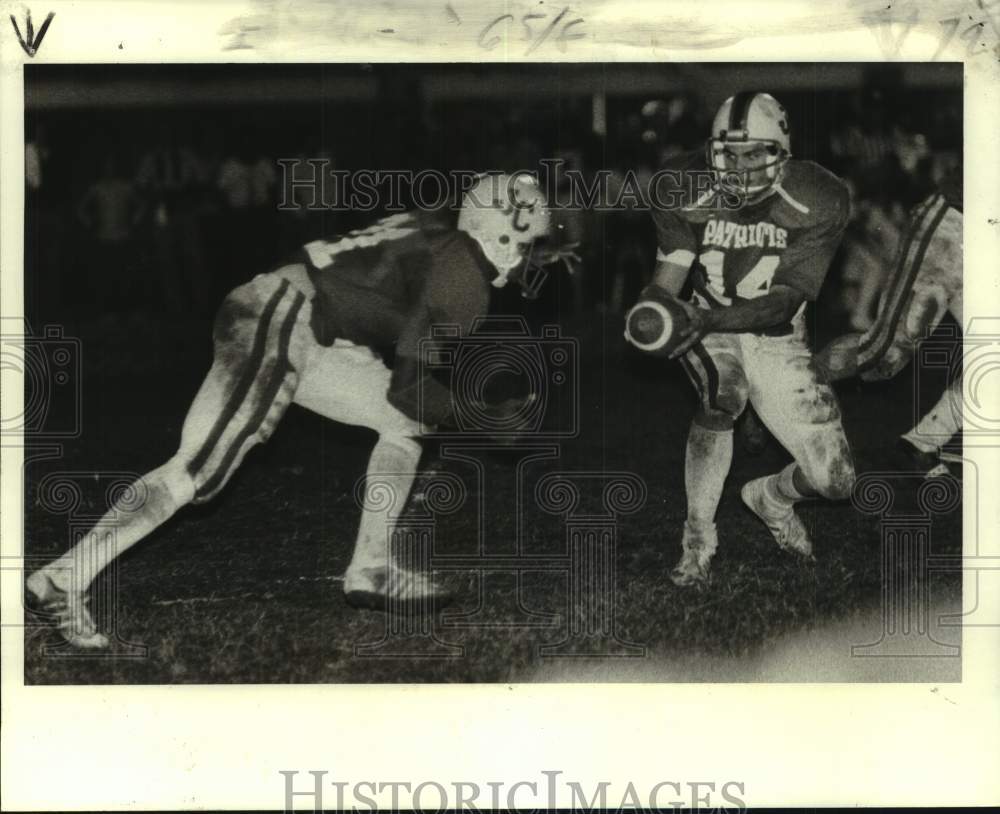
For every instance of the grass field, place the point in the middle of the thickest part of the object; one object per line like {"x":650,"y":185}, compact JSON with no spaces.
{"x":247,"y":588}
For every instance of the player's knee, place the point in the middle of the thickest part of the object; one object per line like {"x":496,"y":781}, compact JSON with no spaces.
{"x":924,"y":311}
{"x":730,"y":396}
{"x":721,"y":414}
{"x":733,"y":400}
{"x":890,"y":363}
{"x":164,"y":490}
{"x":406,"y":447}
{"x":814,"y":400}
{"x":839,"y":359}
{"x":833,"y":478}
{"x":839,"y":481}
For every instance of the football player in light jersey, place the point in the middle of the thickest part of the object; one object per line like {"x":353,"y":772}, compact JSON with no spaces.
{"x":925,"y":281}
{"x":304,"y":333}
{"x":755,"y":231}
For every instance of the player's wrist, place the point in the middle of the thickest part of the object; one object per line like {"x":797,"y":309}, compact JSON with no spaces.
{"x":652,"y":289}
{"x":656,"y":290}
{"x":709,"y":319}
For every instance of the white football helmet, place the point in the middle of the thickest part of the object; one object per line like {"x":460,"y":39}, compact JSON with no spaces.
{"x":752,"y":119}
{"x":507,"y":215}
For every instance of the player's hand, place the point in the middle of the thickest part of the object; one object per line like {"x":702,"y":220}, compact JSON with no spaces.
{"x":693,"y":330}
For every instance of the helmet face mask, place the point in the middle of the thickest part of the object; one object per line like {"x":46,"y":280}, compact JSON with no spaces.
{"x":532,"y":273}
{"x":749,"y":145}
{"x":748,"y":168}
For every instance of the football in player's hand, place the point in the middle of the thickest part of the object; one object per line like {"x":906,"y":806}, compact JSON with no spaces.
{"x":654,"y":323}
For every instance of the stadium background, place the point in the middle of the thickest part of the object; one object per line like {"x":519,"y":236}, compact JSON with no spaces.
{"x":141,"y":212}
{"x":170,"y":130}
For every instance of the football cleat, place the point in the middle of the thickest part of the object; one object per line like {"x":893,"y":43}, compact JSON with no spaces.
{"x":69,"y":608}
{"x":394,"y":590}
{"x":781,"y":520}
{"x":699,"y":547}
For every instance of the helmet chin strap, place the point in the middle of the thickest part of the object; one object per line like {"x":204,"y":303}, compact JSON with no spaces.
{"x":532,"y":268}
{"x":503,"y":273}
{"x":759,"y":192}
{"x":773,"y":171}
{"x":501,"y":279}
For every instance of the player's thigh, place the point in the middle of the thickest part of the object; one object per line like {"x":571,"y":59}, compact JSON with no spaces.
{"x":948,"y":260}
{"x":716,"y":369}
{"x":927,"y":273}
{"x":801,"y":411}
{"x":349,"y":383}
{"x":261,"y":341}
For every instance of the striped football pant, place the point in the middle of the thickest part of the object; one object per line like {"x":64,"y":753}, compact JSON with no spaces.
{"x":925,"y":281}
{"x":777,"y":375}
{"x":266,"y":357}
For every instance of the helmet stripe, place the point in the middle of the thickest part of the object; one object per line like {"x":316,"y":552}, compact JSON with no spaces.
{"x":741,"y":107}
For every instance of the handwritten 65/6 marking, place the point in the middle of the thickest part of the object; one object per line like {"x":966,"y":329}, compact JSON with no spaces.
{"x":537,"y":29}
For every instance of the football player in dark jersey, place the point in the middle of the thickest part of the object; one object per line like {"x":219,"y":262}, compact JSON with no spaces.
{"x":925,"y":281}
{"x":305,"y":333}
{"x":755,"y":232}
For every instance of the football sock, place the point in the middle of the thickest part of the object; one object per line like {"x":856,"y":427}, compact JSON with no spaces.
{"x":780,"y":488}
{"x":703,"y":537}
{"x":140,"y":509}
{"x":707,"y":460}
{"x":942,"y":422}
{"x":392,"y":469}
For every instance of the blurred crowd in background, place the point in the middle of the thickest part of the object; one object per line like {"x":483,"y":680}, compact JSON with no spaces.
{"x":164,"y":209}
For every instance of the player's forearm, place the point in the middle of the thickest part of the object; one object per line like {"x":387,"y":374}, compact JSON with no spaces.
{"x":758,"y":314}
{"x":671,"y":271}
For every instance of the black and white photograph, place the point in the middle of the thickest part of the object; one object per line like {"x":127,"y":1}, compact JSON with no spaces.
{"x":552,"y":369}
{"x":419,"y":376}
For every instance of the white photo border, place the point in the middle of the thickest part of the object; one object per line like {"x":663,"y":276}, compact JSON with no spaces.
{"x":223,"y":747}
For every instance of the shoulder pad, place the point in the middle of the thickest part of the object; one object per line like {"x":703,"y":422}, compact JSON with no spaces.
{"x":816,"y":190}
